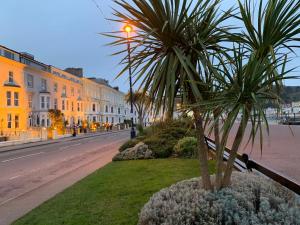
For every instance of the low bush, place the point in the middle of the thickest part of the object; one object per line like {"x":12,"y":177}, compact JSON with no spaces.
{"x":128,"y":144}
{"x":140,"y":129}
{"x":162,"y":147}
{"x":161,"y":137}
{"x":186,"y":147}
{"x":251,"y":200}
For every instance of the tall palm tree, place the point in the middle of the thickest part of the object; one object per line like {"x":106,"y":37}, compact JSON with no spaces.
{"x":173,"y":51}
{"x":141,"y":102}
{"x":269,"y":36}
{"x":170,"y":55}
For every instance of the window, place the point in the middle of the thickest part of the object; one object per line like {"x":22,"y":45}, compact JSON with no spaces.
{"x":55,"y":87}
{"x":55,"y":104}
{"x":17,"y":121}
{"x":9,"y":55}
{"x":81,"y":107}
{"x":125,"y":112}
{"x":42,"y":102}
{"x":106,"y":119}
{"x":30,"y":101}
{"x":112,"y":109}
{"x":16,"y":98}
{"x":78,"y":106}
{"x":48,"y":103}
{"x":106,"y":109}
{"x":67,"y":105}
{"x":119,"y":111}
{"x":94,"y":119}
{"x":64,"y":90}
{"x":72,"y":91}
{"x":9,"y":120}
{"x":29,"y":81}
{"x":10,"y":77}
{"x":44,"y":85}
{"x":72,"y":106}
{"x":112,"y":120}
{"x":94,"y":107}
{"x":8,"y":98}
{"x":63,"y":104}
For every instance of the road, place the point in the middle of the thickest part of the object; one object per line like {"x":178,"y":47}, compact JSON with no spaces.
{"x":30,"y":176}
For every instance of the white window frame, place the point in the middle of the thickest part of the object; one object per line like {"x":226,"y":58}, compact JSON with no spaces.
{"x":8,"y":98}
{"x":9,"y":121}
{"x":30,"y":82}
{"x":42,"y":102}
{"x":44,"y":84}
{"x":16,"y":98}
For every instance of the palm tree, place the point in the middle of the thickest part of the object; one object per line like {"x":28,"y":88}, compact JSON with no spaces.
{"x":141,"y":102}
{"x":268,"y":37}
{"x":178,"y":50}
{"x":173,"y":42}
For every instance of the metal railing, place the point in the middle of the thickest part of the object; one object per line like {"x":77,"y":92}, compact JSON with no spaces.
{"x":244,"y":163}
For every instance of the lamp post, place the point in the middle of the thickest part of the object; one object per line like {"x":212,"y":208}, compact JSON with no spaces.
{"x":128,"y":30}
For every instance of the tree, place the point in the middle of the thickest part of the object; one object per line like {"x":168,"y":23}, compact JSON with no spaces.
{"x":173,"y":42}
{"x":179,"y":49}
{"x":57,"y":120}
{"x":141,"y":102}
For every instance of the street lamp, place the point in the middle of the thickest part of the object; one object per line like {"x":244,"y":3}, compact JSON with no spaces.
{"x":128,"y":29}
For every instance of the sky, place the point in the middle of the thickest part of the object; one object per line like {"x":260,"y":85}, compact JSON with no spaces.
{"x":65,"y":33}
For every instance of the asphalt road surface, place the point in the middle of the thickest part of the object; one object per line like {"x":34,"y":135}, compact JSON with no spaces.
{"x":30,"y":176}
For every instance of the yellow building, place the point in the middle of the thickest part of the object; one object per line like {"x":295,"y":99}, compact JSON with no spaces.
{"x":29,"y":88}
{"x":13,"y":97}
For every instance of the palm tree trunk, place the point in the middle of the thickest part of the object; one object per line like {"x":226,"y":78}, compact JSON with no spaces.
{"x":141,"y":120}
{"x":219,"y":152}
{"x":202,"y":151}
{"x":235,"y":147}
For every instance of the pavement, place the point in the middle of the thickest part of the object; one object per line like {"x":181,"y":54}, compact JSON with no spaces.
{"x":46,"y":142}
{"x":33,"y":174}
{"x":280,"y":151}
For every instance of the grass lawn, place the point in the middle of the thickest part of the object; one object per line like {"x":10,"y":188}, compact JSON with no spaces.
{"x":112,"y":195}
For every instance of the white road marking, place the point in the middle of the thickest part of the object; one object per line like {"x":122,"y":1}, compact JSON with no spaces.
{"x":21,"y":157}
{"x":69,"y":146}
{"x":7,"y":200}
{"x":15,"y":177}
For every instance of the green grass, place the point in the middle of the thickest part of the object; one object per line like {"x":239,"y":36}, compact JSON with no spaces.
{"x":112,"y":195}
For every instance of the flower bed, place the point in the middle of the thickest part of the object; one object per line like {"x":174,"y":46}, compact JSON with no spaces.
{"x":252,"y":200}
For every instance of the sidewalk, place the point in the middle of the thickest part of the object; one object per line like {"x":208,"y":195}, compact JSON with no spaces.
{"x":42,"y":143}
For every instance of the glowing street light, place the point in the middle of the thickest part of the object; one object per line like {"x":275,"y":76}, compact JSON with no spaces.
{"x":128,"y":29}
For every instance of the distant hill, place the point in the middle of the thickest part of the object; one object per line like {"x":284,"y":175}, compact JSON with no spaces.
{"x":290,"y":94}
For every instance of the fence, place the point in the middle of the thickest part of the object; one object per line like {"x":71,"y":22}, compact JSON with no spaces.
{"x":243,"y":163}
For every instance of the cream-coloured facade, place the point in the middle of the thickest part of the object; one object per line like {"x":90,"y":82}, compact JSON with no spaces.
{"x":29,"y":88}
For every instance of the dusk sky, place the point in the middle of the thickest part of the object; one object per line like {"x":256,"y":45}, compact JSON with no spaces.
{"x":65,"y":33}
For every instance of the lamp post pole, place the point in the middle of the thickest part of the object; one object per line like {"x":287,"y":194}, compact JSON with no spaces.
{"x":128,"y":29}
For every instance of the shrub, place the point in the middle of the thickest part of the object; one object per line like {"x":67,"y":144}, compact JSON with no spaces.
{"x":186,"y":147}
{"x":128,"y":144}
{"x":162,"y":147}
{"x":251,"y":200}
{"x":140,"y":129}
